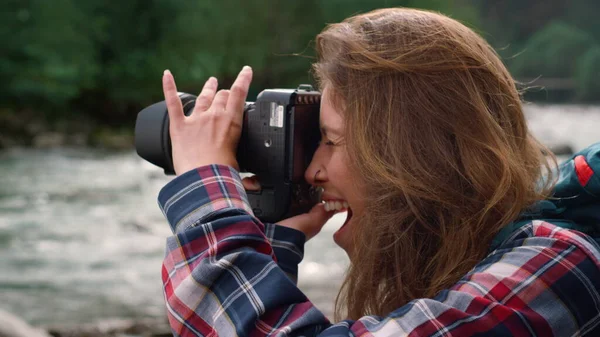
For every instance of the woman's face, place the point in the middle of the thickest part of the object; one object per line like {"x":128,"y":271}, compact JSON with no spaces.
{"x":330,"y":170}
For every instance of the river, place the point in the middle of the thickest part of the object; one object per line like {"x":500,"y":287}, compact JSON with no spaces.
{"x":82,"y":237}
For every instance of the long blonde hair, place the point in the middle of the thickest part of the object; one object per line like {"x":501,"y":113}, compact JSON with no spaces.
{"x":435,"y":128}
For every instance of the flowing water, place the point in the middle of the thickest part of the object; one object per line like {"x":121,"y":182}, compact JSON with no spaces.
{"x":82,"y":237}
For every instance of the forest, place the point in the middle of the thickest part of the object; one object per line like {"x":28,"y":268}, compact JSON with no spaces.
{"x":82,"y":70}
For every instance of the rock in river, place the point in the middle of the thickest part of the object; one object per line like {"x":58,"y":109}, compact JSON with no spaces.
{"x":13,"y":326}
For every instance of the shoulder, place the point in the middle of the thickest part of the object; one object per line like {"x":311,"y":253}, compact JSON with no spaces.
{"x":545,"y":253}
{"x":542,"y":234}
{"x":550,"y":275}
{"x":543,"y":280}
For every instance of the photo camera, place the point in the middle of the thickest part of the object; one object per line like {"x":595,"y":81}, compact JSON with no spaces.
{"x":280,"y":134}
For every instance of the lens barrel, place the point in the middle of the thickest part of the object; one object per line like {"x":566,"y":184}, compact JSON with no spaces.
{"x":152,"y":138}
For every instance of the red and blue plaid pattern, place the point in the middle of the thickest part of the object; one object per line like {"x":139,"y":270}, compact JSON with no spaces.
{"x":227,"y":274}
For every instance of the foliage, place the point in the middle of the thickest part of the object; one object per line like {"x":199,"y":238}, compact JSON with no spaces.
{"x":51,"y":55}
{"x":105,"y":60}
{"x":554,"y":51}
{"x":587,"y":75}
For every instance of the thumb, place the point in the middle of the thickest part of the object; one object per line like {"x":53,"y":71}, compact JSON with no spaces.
{"x":319,"y":215}
{"x":309,"y":223}
{"x":251,"y":183}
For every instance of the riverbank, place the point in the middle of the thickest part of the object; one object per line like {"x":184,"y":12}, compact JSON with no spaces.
{"x":26,"y":129}
{"x":13,"y":326}
{"x":114,"y":328}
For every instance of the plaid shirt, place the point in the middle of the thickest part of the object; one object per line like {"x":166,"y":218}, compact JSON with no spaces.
{"x":227,"y":274}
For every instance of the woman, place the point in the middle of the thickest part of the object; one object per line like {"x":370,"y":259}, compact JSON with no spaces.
{"x":425,"y":144}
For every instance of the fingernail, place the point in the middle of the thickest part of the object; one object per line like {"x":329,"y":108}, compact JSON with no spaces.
{"x":246,"y":68}
{"x":167,"y":72}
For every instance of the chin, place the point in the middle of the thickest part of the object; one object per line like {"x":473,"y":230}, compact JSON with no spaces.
{"x":342,"y":236}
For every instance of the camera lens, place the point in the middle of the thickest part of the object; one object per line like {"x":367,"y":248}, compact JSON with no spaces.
{"x":188,"y":102}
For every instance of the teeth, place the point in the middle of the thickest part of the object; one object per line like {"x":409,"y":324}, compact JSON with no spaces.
{"x":335,"y":205}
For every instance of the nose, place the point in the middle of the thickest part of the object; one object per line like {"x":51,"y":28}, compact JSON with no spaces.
{"x":315,"y":173}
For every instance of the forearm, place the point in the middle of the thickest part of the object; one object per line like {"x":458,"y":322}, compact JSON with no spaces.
{"x":288,"y":247}
{"x":220,"y":273}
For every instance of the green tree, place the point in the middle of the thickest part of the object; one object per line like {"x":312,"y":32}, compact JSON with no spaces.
{"x":583,"y":14}
{"x":587,"y":75}
{"x":49,"y":56}
{"x":553,"y":51}
{"x":68,"y":58}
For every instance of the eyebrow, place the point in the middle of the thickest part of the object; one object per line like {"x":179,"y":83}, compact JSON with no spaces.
{"x":324,"y":129}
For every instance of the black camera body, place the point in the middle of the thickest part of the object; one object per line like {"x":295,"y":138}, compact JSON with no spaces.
{"x":280,"y":134}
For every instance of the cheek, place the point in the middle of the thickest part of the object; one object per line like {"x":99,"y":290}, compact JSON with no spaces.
{"x":351,"y":185}
{"x":339,"y":168}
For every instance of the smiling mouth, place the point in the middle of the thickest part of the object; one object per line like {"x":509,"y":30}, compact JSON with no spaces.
{"x":338,"y":206}
{"x":347,"y":220}
{"x":335,"y":205}
{"x":344,"y":208}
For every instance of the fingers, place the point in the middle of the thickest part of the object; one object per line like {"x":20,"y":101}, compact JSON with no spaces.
{"x":251,"y":183}
{"x":218,"y":104}
{"x":172,"y":98}
{"x":239,"y":91}
{"x":319,"y":214}
{"x":207,"y":95}
{"x":232,"y":101}
{"x":309,"y":223}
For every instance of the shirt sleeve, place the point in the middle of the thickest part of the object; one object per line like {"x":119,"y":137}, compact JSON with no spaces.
{"x":288,"y":247}
{"x":221,"y":278}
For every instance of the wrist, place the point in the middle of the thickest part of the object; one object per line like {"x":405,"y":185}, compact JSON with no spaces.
{"x":192,"y":165}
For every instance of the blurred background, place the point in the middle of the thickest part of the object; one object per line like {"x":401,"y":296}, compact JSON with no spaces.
{"x":81,"y":235}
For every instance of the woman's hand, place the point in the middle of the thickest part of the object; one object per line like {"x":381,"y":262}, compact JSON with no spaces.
{"x":211,"y":133}
{"x":309,"y":223}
